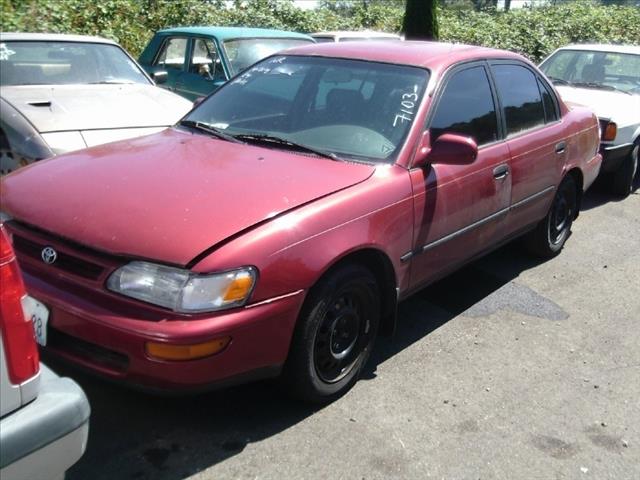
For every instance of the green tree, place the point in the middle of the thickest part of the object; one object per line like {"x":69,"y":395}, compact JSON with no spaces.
{"x":420,"y":20}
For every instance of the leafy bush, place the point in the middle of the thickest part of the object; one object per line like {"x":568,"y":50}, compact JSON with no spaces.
{"x":533,"y":32}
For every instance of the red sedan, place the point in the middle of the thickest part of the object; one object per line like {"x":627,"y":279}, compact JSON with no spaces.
{"x":276,"y":227}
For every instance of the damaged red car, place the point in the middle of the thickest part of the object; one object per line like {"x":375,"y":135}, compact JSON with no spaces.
{"x":275,"y":228}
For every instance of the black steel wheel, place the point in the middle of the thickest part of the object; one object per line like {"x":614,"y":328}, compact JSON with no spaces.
{"x":334,"y":335}
{"x":550,"y":235}
{"x":622,"y":179}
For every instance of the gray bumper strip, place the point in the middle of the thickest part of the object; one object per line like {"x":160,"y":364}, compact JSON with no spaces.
{"x":60,"y":408}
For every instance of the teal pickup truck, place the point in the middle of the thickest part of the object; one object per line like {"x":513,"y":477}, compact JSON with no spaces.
{"x":195,"y":61}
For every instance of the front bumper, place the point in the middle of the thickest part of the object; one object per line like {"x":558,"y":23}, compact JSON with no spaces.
{"x":44,"y":438}
{"x":93,"y":337}
{"x":614,"y":155}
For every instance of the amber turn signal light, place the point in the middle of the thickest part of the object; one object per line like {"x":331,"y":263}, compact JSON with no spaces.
{"x":610,"y":132}
{"x":168,"y":351}
{"x":238,"y":289}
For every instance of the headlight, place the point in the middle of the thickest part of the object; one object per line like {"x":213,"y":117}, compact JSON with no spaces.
{"x":183,"y":290}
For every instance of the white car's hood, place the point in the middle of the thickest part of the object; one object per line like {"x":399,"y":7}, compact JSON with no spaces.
{"x":55,"y":108}
{"x":622,"y":108}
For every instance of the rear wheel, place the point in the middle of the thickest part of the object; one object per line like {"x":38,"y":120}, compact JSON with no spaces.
{"x":334,"y":335}
{"x":550,"y":235}
{"x":622,"y":179}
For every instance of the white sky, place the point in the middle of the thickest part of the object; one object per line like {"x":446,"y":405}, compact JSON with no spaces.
{"x":306,"y":4}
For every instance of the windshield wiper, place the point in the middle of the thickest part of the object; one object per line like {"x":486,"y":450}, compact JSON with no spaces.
{"x":112,"y":82}
{"x":210,"y":129}
{"x":264,"y":138}
{"x":559,"y":81}
{"x":599,"y":86}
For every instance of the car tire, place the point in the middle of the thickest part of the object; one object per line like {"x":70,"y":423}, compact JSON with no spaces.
{"x":334,"y":335}
{"x":549,"y":236}
{"x":622,"y":179}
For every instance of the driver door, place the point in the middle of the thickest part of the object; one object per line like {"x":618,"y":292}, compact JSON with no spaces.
{"x":460,"y":210}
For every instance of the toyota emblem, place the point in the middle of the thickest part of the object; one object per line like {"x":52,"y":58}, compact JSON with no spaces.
{"x":49,"y":255}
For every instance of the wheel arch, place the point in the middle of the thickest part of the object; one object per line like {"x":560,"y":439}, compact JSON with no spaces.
{"x":380,"y":265}
{"x":578,"y":177}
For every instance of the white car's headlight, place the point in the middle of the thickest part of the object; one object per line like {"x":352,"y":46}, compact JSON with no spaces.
{"x":183,"y":290}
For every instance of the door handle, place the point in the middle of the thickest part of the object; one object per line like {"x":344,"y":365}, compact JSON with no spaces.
{"x":561,"y":147}
{"x":500,"y":172}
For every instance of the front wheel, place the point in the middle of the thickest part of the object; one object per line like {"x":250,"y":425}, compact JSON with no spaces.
{"x":334,"y":335}
{"x":550,"y":235}
{"x":622,"y":179}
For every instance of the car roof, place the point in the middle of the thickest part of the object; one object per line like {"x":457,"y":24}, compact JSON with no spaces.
{"x":432,"y":55}
{"x":355,"y":34}
{"x":52,"y":37}
{"x":601,"y":47}
{"x":227,"y":33}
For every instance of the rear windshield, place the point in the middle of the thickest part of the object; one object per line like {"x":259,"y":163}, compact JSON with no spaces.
{"x":66,"y":63}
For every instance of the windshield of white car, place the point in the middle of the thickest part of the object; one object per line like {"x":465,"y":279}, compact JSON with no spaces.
{"x":66,"y":63}
{"x":244,"y":52}
{"x":594,"y":69}
{"x":348,"y":109}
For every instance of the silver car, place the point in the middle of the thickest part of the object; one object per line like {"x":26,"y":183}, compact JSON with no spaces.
{"x":44,"y":418}
{"x":60,"y":93}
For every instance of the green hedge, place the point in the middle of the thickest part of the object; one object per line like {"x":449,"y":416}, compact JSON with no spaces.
{"x":533,"y":32}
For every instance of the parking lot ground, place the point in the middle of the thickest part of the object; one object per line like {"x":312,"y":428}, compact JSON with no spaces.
{"x":510,"y":369}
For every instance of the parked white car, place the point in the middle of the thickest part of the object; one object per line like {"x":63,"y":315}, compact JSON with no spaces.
{"x":605,"y":78}
{"x":44,"y":419}
{"x":353,"y":36}
{"x":60,"y":93}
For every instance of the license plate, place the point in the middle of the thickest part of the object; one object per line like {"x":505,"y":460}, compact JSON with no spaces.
{"x":39,"y":315}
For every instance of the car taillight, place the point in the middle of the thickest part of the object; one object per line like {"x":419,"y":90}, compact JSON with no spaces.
{"x":20,"y":347}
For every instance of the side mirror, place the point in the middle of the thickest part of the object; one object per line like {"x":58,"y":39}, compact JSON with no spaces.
{"x":160,"y":76}
{"x":448,"y":149}
{"x":198,"y":101}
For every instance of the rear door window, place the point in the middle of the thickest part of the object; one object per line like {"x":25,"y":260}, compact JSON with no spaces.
{"x":520,"y":97}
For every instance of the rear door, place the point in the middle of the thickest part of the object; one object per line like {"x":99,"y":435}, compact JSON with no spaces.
{"x":459,"y":209}
{"x":536,"y":139}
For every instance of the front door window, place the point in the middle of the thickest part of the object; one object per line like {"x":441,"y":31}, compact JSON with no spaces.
{"x":205,"y":60}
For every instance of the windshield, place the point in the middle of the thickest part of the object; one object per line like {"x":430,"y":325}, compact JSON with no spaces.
{"x":244,"y":52}
{"x":348,"y":108}
{"x":66,"y":63}
{"x":592,"y":69}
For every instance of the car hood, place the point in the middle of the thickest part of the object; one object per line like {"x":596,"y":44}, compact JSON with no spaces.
{"x":54,"y":108}
{"x":168,"y":196}
{"x":620,"y":107}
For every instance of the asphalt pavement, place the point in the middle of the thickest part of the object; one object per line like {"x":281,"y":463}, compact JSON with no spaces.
{"x":511,"y":368}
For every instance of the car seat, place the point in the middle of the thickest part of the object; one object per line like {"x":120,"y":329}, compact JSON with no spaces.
{"x":344,"y":106}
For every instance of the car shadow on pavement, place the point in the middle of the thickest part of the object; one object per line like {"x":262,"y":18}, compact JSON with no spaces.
{"x":134,"y":435}
{"x":435,"y":305}
{"x":598,"y":194}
